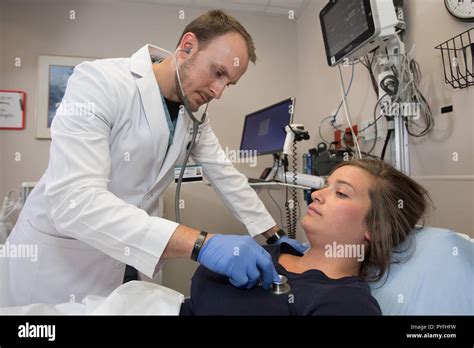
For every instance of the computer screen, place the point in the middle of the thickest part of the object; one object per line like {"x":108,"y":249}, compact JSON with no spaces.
{"x":264,"y":130}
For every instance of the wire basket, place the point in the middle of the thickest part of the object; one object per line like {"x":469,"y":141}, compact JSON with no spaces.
{"x":458,"y":56}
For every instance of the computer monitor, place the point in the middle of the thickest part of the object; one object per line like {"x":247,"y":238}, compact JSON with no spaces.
{"x":264,"y":130}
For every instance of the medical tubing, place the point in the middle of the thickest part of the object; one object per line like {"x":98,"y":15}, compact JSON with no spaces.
{"x":289,"y":225}
{"x":181,"y":173}
{"x":387,"y":140}
{"x":346,"y":94}
{"x":375,"y":122}
{"x":190,"y":145}
{"x":294,"y":194}
{"x":276,"y":204}
{"x":348,"y":115}
{"x":287,"y":208}
{"x":407,"y":82}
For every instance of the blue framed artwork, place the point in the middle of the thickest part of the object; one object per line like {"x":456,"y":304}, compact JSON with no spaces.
{"x":53,"y":74}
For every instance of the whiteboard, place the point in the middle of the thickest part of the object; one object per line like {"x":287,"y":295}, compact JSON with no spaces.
{"x":12,"y":109}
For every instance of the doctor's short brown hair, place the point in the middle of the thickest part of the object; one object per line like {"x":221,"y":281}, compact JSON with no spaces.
{"x":215,"y":23}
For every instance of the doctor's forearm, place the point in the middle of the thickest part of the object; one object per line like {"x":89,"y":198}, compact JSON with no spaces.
{"x":182,"y":242}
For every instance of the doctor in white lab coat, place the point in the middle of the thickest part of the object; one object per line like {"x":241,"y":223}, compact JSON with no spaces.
{"x":113,"y":153}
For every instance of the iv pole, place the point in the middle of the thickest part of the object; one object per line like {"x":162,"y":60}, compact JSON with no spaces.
{"x":400,"y":155}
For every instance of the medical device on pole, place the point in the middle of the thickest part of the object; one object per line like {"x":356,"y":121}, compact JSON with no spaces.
{"x":352,"y":29}
{"x":294,"y":134}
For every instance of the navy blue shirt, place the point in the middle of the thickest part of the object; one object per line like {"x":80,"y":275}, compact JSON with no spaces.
{"x":173,"y":109}
{"x":312,"y":293}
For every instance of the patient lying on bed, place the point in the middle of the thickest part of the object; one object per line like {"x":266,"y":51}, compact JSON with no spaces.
{"x":365,"y":210}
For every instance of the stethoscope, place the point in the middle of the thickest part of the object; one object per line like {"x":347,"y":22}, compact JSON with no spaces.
{"x":196,"y":124}
{"x":181,"y":93}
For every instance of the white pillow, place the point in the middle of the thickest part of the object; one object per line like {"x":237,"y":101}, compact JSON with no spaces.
{"x":438,"y":278}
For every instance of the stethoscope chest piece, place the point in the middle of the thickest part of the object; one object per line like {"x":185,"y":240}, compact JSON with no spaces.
{"x":281,"y":287}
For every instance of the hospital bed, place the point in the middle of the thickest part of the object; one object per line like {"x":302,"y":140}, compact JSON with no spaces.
{"x":438,"y":279}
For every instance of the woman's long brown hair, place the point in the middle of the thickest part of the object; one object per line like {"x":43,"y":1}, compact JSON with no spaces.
{"x":397,"y":204}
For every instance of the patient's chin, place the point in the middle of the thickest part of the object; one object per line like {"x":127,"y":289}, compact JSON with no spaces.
{"x":306,"y":224}
{"x":310,"y":227}
{"x":311,"y":224}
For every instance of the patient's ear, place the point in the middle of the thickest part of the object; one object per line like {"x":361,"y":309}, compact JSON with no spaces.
{"x":368,"y":236}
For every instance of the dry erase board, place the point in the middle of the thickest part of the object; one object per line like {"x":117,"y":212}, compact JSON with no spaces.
{"x":12,"y":109}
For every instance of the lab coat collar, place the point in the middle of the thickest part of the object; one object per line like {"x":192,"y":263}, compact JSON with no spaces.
{"x":141,"y":65}
{"x":142,"y":59}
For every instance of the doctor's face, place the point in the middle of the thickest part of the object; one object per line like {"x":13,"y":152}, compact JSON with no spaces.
{"x":338,"y":211}
{"x":208,"y":71}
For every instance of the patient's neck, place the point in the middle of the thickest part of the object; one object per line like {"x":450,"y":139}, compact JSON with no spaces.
{"x":315,"y":258}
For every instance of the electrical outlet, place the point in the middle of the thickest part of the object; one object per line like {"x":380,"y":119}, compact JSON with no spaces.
{"x":369,"y":132}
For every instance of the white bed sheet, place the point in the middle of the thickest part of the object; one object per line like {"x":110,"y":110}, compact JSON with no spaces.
{"x":132,"y":298}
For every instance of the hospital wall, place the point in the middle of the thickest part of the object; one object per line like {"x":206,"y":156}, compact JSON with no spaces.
{"x":31,"y":28}
{"x":432,"y":158}
{"x":451,"y":183}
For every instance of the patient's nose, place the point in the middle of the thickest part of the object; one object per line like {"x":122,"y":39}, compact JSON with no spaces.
{"x":317,"y":196}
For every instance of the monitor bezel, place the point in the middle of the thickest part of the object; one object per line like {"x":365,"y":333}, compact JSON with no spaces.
{"x":357,"y":42}
{"x":291,"y":99}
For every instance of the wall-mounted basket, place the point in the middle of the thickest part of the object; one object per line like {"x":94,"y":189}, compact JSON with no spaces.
{"x":458,"y":57}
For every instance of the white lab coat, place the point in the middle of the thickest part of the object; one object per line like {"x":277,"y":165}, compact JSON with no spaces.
{"x":92,"y":211}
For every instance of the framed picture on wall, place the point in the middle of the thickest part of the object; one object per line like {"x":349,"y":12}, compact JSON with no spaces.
{"x":53,"y":74}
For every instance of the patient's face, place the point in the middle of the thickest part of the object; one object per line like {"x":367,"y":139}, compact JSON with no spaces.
{"x":338,"y":211}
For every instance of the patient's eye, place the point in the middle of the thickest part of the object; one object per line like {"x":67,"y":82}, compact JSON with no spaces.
{"x":341,"y":195}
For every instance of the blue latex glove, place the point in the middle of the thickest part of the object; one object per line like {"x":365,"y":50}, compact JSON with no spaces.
{"x":240,"y":258}
{"x":301,"y":248}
